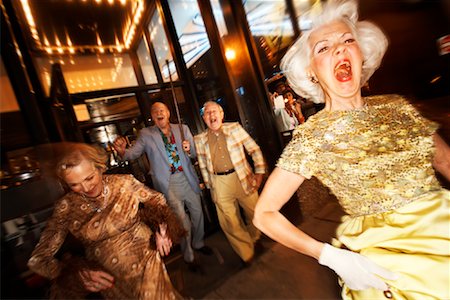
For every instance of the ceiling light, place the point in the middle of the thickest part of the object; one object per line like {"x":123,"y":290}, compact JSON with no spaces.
{"x":230,"y":54}
{"x":129,"y":30}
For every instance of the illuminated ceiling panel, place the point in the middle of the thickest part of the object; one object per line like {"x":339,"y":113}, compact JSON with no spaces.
{"x":69,"y":26}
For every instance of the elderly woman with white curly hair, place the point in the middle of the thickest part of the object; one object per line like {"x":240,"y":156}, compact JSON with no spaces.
{"x":377,"y":154}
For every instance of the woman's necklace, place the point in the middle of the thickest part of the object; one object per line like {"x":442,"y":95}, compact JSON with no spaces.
{"x":102,"y":199}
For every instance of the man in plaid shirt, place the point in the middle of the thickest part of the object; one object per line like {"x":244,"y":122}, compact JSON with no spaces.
{"x":229,"y":176}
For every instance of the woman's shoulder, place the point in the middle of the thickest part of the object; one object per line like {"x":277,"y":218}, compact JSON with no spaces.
{"x":315,"y":122}
{"x":386,"y":99}
{"x":66,"y":202}
{"x":311,"y":131}
{"x":119,"y":183}
{"x":113,"y":178}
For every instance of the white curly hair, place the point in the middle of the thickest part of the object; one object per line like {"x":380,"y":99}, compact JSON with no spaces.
{"x":371,"y":40}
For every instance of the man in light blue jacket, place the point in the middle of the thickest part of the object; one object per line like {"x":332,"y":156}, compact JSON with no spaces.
{"x":172,"y":174}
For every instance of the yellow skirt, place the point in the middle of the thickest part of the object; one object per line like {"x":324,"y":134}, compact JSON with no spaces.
{"x":412,"y":241}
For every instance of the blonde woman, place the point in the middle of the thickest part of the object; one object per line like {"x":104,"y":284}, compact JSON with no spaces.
{"x":102,"y":212}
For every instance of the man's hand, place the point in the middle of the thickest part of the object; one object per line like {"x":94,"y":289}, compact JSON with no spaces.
{"x":163,"y":242}
{"x":96,"y":281}
{"x":186,"y":146}
{"x":257,"y":180}
{"x":120,"y":144}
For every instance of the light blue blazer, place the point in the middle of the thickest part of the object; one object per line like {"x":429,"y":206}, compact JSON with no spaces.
{"x":151,"y":142}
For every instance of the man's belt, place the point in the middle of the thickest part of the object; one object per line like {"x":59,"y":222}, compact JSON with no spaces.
{"x":225,"y":172}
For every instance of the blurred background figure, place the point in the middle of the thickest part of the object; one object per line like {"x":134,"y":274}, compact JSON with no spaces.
{"x":293,"y":106}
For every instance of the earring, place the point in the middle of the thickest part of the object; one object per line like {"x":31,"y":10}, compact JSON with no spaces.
{"x":313,"y":79}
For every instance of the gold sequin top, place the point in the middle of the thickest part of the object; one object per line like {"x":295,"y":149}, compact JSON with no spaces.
{"x":374,"y":159}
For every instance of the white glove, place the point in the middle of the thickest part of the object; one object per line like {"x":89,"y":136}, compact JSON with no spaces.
{"x":357,"y":271}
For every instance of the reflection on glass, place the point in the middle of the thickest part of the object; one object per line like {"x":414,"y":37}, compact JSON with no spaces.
{"x":191,"y":30}
{"x":268,"y":18}
{"x":105,"y":136}
{"x":89,"y":72}
{"x":271,"y":27}
{"x":9,"y":101}
{"x":145,"y":61}
{"x":112,"y":108}
{"x":161,"y":45}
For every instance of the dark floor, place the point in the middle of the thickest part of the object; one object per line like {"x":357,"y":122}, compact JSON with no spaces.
{"x":278,"y":272}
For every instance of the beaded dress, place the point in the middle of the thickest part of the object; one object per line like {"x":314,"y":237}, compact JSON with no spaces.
{"x":377,"y":160}
{"x":114,"y":238}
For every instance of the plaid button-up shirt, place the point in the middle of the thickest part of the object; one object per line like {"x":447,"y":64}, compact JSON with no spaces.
{"x":237,"y":140}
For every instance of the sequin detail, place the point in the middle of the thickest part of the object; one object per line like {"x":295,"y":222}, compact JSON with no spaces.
{"x":374,"y":159}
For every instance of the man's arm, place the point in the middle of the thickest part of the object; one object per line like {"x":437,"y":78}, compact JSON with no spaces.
{"x":188,"y":137}
{"x":201,"y":157}
{"x":134,"y":151}
{"x":253,"y":150}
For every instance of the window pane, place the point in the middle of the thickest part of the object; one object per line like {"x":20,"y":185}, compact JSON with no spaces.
{"x":145,"y":61}
{"x":161,"y":45}
{"x":190,"y":29}
{"x":272,"y":30}
{"x":268,"y":18}
{"x":90,"y":72}
{"x":8,"y":102}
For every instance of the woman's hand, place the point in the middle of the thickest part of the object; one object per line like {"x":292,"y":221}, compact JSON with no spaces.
{"x":96,"y":281}
{"x":357,"y":271}
{"x":163,"y":242}
{"x":257,"y":180}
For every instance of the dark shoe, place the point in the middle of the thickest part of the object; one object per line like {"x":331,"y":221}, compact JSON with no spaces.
{"x":246,"y":263}
{"x":258,"y":248}
{"x":205,"y":250}
{"x":194,"y":267}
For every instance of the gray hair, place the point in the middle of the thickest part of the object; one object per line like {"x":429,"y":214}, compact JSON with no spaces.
{"x":210,"y":102}
{"x":371,"y":40}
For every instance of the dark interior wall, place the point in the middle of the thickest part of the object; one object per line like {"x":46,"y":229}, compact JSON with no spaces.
{"x":13,"y":132}
{"x":412,"y":60}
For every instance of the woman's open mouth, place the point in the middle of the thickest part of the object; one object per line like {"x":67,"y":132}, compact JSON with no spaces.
{"x":343,"y":71}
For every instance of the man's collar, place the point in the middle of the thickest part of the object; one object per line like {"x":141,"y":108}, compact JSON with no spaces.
{"x":215,"y":132}
{"x":161,"y":131}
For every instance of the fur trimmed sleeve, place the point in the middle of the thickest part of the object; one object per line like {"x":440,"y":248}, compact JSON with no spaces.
{"x":155,"y":211}
{"x":154,"y":215}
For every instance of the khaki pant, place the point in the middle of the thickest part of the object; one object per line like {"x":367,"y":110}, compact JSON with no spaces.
{"x":228,"y":195}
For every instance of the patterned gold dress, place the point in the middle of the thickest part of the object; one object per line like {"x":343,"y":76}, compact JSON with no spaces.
{"x":114,"y":239}
{"x":377,"y":160}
